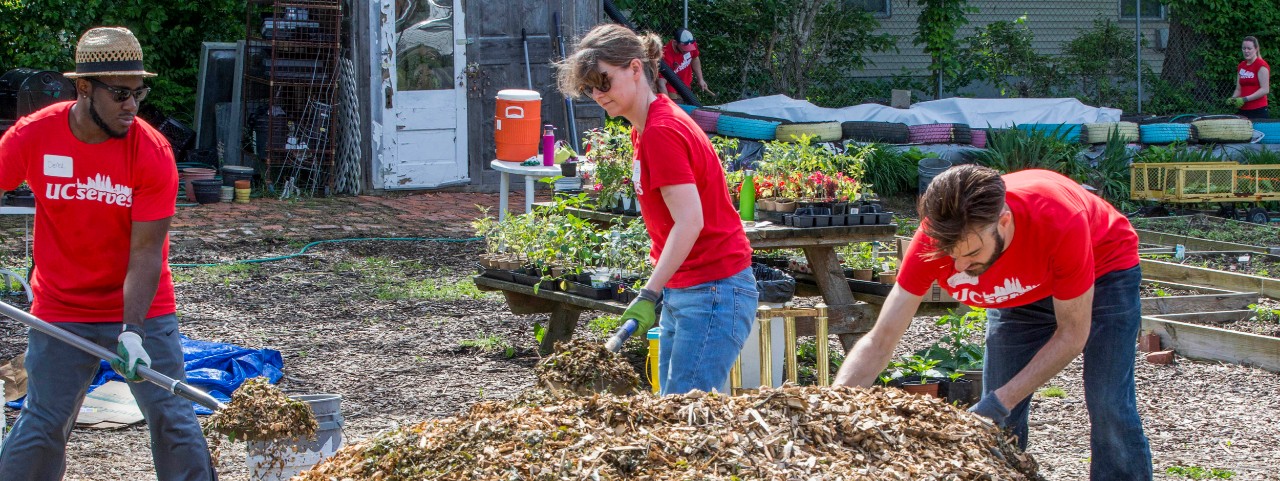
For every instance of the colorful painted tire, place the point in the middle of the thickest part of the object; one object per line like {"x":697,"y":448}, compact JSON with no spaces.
{"x":979,"y":138}
{"x":1067,"y":132}
{"x":1164,"y":133}
{"x":688,"y":109}
{"x":747,"y":127}
{"x":819,"y":131}
{"x":1270,"y":129}
{"x":1099,"y":132}
{"x":886,"y":132}
{"x":961,"y":134}
{"x":938,"y":133}
{"x":706,"y":118}
{"x":1222,"y":131}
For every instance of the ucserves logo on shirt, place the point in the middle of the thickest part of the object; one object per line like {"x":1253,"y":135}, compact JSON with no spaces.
{"x":98,"y":188}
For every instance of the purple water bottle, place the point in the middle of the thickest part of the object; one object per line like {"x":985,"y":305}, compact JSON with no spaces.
{"x":548,"y":145}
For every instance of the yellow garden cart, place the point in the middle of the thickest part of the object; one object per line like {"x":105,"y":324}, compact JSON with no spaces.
{"x":1239,"y":188}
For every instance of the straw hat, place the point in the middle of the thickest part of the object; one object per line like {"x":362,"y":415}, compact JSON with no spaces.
{"x":106,"y":51}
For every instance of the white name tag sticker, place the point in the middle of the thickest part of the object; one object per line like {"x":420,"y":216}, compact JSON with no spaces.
{"x":57,"y":166}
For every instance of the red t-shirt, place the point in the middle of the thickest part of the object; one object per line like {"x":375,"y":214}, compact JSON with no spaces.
{"x":87,"y":197}
{"x":1064,"y":239}
{"x":672,"y":151}
{"x":680,"y":62}
{"x":1249,"y":83}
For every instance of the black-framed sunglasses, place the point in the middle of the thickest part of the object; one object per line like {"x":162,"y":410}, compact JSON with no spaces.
{"x":121,"y":94}
{"x":595,"y":80}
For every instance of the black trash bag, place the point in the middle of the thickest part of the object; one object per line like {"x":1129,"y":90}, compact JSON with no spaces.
{"x":773,"y":284}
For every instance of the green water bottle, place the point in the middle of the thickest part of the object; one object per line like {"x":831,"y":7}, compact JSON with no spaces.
{"x":747,"y":198}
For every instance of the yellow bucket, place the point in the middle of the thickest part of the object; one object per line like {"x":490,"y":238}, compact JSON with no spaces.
{"x":651,"y":362}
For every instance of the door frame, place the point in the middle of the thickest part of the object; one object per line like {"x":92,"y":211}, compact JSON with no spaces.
{"x":382,"y":88}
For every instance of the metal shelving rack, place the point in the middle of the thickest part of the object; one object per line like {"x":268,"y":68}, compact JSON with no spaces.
{"x":290,"y":87}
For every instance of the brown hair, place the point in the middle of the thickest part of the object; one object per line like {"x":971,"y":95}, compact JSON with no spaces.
{"x":961,"y":200}
{"x":1254,"y":40}
{"x":612,"y":44}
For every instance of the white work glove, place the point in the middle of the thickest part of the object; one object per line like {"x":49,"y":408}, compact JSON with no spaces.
{"x":131,"y":353}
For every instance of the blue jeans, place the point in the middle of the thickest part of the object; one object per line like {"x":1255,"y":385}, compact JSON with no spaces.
{"x":703,"y":329}
{"x":58,"y":376}
{"x":1014,"y":335}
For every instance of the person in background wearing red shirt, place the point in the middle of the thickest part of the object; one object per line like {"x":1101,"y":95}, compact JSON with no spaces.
{"x":104,"y":182}
{"x":702,"y":256}
{"x":1253,"y":82}
{"x":684,"y":58}
{"x":1057,"y":268}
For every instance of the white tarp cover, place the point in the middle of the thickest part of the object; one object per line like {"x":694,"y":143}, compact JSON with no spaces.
{"x":977,"y":113}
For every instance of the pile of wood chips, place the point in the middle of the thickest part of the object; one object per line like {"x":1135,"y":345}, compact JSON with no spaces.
{"x":258,"y":411}
{"x":583,"y":366}
{"x":803,"y":433}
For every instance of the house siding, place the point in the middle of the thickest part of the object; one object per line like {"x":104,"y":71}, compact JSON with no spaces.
{"x":1053,"y":23}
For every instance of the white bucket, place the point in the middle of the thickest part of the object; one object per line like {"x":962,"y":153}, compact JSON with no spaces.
{"x":281,"y":460}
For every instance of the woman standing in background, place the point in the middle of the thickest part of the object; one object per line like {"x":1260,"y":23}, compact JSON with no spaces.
{"x":1253,"y":82}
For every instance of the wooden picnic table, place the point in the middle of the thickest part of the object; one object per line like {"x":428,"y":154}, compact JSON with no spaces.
{"x":849,"y":318}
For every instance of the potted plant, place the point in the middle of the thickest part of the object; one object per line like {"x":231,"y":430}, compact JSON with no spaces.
{"x":916,"y":374}
{"x":889,"y":270}
{"x":863,"y":262}
{"x":959,"y":391}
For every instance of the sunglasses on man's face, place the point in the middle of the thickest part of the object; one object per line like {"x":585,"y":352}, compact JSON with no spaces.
{"x":119,"y":94}
{"x":594,"y":81}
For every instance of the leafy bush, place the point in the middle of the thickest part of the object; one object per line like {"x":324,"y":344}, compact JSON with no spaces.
{"x":1012,"y":150}
{"x":42,"y":34}
{"x":890,"y":170}
{"x":1102,"y":64}
{"x":1001,"y":52}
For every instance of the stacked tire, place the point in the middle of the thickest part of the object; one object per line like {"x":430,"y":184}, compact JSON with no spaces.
{"x":817,"y":131}
{"x":1270,"y":130}
{"x":748,"y":127}
{"x":883,"y":132}
{"x":1166,"y":133}
{"x":706,"y":118}
{"x":1100,"y":132}
{"x":1221,"y":131}
{"x":1066,"y":132}
{"x":940,"y":134}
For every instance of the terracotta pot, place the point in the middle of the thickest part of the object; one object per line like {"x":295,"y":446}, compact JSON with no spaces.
{"x":888,"y":277}
{"x":785,"y":205}
{"x":766,"y":204}
{"x":862,"y":274}
{"x":929,"y":388}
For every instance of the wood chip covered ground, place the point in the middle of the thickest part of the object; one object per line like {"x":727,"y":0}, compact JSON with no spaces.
{"x":788,"y":433}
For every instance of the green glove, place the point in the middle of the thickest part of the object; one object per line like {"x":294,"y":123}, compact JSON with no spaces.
{"x":1236,"y":102}
{"x":644,"y":310}
{"x":131,"y":354}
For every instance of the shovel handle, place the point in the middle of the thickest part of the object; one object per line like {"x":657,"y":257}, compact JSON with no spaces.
{"x":151,"y":375}
{"x":614,"y":344}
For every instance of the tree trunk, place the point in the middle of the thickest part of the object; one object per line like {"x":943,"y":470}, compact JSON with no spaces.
{"x":1180,"y":61}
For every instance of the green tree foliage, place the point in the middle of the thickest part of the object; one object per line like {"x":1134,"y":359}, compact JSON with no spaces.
{"x":1001,"y":54}
{"x":42,"y":34}
{"x":802,"y":48}
{"x":1102,"y":64}
{"x":936,"y":30}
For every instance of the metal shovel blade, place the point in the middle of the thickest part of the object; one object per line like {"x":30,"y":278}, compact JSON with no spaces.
{"x":150,"y":375}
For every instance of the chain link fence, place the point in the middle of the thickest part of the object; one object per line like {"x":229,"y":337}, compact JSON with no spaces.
{"x":845,"y":52}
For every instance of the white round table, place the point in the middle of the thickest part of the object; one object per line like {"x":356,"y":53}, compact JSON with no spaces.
{"x":530,"y":173}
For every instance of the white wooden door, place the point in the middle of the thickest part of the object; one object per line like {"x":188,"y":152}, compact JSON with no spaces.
{"x":424,"y":103}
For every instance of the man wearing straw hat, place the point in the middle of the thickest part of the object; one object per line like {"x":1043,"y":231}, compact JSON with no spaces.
{"x":104,"y":182}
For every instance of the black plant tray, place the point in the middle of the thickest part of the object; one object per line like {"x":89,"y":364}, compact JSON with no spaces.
{"x":624,"y":296}
{"x":603,"y":293}
{"x":499,"y":274}
{"x":869,"y":287}
{"x":522,"y":278}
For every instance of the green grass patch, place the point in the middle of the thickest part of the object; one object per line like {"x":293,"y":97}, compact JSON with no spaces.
{"x":606,"y":324}
{"x":1197,"y":472}
{"x":1053,"y":391}
{"x":430,"y":289}
{"x":490,"y":344}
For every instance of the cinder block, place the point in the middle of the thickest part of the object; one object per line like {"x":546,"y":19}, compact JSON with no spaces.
{"x":900,"y":99}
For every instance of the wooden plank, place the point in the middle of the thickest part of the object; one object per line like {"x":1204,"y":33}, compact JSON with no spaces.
{"x":1193,"y":243}
{"x":1168,"y":271}
{"x":1215,"y":317}
{"x":1197,"y":303}
{"x":1189,"y":287}
{"x":555,"y":296}
{"x":1208,"y":343}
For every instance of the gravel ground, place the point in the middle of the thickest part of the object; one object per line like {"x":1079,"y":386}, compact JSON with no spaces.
{"x":382,"y":323}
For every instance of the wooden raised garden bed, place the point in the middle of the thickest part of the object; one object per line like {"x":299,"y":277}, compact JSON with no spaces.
{"x":1209,"y":343}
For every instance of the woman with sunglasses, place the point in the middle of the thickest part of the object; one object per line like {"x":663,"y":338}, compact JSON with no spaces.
{"x":703,"y":259}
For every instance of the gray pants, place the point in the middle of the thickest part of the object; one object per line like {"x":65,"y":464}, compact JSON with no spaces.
{"x":58,"y":376}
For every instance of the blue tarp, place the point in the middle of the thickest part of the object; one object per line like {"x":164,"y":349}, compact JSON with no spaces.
{"x":211,"y":366}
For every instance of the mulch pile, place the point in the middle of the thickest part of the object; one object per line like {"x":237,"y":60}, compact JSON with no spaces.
{"x":258,"y":411}
{"x":583,"y":366}
{"x":787,"y":433}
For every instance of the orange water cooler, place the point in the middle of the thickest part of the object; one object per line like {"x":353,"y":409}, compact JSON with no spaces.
{"x":516,"y":124}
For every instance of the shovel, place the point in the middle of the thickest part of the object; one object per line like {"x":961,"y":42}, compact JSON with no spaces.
{"x":614,"y":344}
{"x":169,"y":384}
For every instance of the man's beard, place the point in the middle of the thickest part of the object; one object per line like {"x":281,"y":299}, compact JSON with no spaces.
{"x":995,"y":256}
{"x":97,"y":119}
